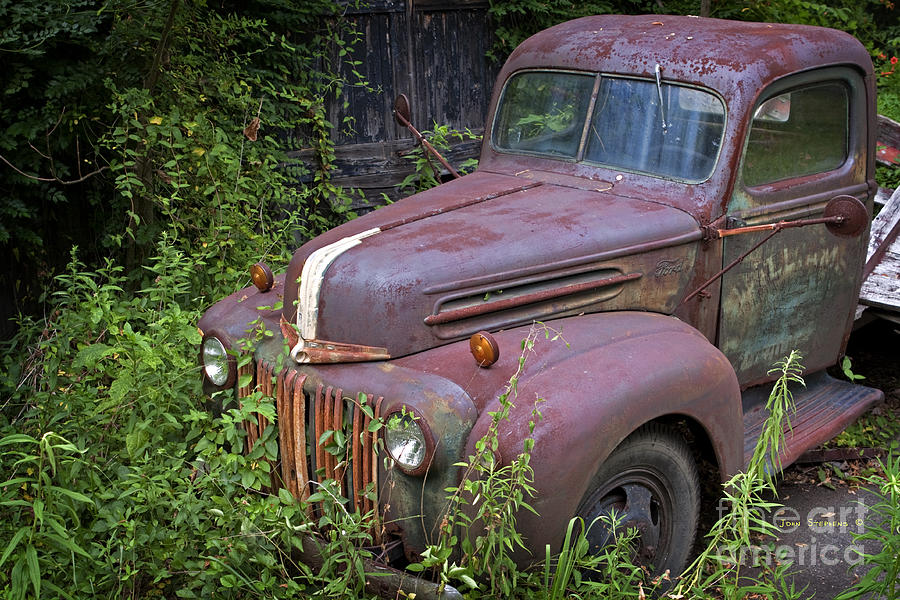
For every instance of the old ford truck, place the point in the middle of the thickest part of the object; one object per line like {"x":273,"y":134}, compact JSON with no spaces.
{"x":685,"y":199}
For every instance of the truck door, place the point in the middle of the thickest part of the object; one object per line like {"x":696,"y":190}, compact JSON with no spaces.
{"x":806,"y":143}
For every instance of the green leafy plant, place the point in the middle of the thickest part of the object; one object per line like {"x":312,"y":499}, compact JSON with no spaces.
{"x":39,"y":498}
{"x":518,"y":19}
{"x":847,"y":369}
{"x":426,"y":174}
{"x":882,"y":525}
{"x":580,"y":571}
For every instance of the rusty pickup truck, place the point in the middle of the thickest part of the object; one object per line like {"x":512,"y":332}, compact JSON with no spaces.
{"x":685,"y":199}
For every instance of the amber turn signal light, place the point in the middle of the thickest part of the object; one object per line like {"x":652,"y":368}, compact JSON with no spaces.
{"x":262,"y":277}
{"x":484,"y":348}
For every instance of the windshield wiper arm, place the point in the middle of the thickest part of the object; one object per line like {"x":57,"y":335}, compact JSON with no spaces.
{"x":662,"y":110}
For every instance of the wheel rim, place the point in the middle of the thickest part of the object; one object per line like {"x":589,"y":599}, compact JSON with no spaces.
{"x":640,"y":500}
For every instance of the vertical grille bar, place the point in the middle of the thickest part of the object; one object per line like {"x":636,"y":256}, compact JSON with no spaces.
{"x":357,"y":483}
{"x":320,"y":426}
{"x":368,"y":459}
{"x":328,"y":407}
{"x":285,"y":409}
{"x":248,"y":369}
{"x":298,"y":429}
{"x":338,"y":425}
{"x":244,"y":391}
{"x":268,"y":388}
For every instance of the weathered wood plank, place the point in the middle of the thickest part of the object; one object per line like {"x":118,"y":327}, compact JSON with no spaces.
{"x":888,"y":141}
{"x":377,"y":168}
{"x":881,"y":286}
{"x":888,"y":131}
{"x":884,"y":226}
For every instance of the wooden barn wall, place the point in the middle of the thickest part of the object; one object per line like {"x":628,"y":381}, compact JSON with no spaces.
{"x":435,"y":53}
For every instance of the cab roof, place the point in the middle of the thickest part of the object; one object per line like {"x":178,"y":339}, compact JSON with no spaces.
{"x":732,"y":57}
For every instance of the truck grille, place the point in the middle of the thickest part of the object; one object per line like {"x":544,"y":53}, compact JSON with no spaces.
{"x":309,"y":413}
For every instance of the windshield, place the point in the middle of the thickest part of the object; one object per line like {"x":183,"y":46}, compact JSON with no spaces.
{"x":550,"y":113}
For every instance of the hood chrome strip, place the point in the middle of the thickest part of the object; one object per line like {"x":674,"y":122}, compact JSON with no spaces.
{"x":312,"y":277}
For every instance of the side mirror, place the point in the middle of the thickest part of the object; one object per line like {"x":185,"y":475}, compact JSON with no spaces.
{"x":402,"y":110}
{"x":850,"y":217}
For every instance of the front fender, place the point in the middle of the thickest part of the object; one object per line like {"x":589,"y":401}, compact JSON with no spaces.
{"x":618,"y":371}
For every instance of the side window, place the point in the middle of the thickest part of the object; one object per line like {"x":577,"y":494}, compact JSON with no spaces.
{"x":796,"y":133}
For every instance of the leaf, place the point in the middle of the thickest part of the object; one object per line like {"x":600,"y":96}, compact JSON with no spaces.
{"x":13,"y":543}
{"x":34,"y":570}
{"x":272,"y":448}
{"x":120,"y":387}
{"x":135,"y":442}
{"x":17,"y":438}
{"x":89,"y":356}
{"x":71,"y":494}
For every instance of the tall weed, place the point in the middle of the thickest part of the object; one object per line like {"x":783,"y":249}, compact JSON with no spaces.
{"x":882,"y":579}
{"x":718,"y":567}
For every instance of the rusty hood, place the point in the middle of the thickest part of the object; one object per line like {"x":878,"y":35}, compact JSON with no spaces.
{"x":488,"y":251}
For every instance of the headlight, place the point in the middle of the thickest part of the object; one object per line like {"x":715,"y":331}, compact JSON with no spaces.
{"x":215,"y":361}
{"x":407,"y":442}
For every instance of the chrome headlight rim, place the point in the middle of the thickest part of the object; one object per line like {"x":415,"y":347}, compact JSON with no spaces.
{"x":416,"y":419}
{"x":227,"y":358}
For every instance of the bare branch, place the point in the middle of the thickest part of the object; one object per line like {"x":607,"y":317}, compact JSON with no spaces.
{"x":52,"y":179}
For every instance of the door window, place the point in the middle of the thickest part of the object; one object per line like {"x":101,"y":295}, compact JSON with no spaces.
{"x":798,"y":133}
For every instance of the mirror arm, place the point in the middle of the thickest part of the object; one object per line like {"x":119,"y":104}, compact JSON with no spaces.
{"x":836,"y":219}
{"x":428,"y":147}
{"x":733,"y":263}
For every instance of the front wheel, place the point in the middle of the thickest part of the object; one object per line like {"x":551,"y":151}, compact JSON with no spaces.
{"x":650,"y":482}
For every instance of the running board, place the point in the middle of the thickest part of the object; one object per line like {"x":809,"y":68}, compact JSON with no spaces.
{"x":825,"y":407}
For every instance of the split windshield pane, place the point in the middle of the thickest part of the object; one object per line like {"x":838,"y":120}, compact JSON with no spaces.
{"x":544,"y":113}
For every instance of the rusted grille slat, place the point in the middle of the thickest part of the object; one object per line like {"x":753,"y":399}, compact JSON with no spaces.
{"x":356,"y":454}
{"x":244,"y":391}
{"x":298,"y":427}
{"x":284,"y":409}
{"x":268,"y":388}
{"x":320,"y":413}
{"x":338,"y":425}
{"x":368,"y":458}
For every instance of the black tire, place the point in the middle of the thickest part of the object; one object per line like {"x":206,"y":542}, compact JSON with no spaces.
{"x":651,"y":481}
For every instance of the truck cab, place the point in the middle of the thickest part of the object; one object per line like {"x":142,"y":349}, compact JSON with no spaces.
{"x":678,"y":196}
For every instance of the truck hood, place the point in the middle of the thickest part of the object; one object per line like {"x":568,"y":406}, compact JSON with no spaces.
{"x":485,"y":252}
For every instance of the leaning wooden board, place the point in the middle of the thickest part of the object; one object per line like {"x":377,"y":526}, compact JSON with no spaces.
{"x":881,"y":286}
